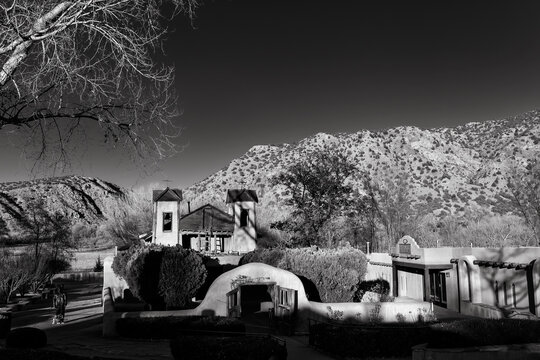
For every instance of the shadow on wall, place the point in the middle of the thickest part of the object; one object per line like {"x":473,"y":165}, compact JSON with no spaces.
{"x":498,"y":283}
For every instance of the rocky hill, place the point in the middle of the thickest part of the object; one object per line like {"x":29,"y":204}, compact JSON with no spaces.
{"x":81,"y":199}
{"x":448,"y":168}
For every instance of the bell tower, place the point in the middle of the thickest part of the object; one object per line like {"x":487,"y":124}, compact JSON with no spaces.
{"x":242,"y":206}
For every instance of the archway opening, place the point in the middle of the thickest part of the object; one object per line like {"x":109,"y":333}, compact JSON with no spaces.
{"x":256,"y":299}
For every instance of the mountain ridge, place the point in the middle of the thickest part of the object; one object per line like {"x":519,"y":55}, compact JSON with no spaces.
{"x":452,"y":168}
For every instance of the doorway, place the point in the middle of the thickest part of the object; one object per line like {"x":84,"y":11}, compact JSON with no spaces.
{"x":437,"y":281}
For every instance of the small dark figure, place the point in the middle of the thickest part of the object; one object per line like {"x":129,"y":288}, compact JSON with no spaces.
{"x":59,"y":303}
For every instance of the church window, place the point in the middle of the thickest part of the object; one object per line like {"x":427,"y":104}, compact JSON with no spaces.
{"x":244,"y":217}
{"x":167,"y":221}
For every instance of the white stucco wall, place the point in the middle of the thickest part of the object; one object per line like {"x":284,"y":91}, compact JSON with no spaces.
{"x":215,"y":302}
{"x":166,"y":237}
{"x":244,"y":238}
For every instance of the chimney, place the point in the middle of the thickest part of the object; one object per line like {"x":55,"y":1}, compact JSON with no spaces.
{"x":189,"y":207}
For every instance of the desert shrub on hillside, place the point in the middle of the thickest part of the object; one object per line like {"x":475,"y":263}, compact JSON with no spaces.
{"x":335,"y":272}
{"x":181,"y":275}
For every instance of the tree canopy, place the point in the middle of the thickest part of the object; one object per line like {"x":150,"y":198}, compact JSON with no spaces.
{"x":67,"y":64}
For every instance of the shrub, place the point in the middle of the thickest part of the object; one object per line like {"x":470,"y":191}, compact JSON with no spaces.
{"x":143,"y":270}
{"x":122,"y":258}
{"x":27,"y":338}
{"x":181,"y":275}
{"x":98,"y":267}
{"x":226,"y":348}
{"x":378,"y":286}
{"x":170,"y":326}
{"x":335,"y":272}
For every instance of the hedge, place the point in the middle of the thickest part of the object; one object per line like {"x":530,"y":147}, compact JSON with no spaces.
{"x":160,"y":275}
{"x":181,"y":275}
{"x":170,"y":326}
{"x":373,"y":340}
{"x":227,"y":348}
{"x":336,"y":273}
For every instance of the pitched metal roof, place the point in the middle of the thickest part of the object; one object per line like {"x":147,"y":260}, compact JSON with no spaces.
{"x":167,"y":195}
{"x":236,"y":195}
{"x":207,"y":217}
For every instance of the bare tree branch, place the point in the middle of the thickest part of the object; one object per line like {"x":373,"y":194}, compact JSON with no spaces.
{"x":81,"y":62}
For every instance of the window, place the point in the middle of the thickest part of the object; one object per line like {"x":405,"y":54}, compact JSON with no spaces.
{"x":505,"y":292}
{"x":496,"y":289}
{"x":514,"y":302}
{"x":167,"y":221}
{"x":244,"y":217}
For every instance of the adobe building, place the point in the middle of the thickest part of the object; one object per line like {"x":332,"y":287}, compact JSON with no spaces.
{"x":207,"y":228}
{"x":484,"y":282}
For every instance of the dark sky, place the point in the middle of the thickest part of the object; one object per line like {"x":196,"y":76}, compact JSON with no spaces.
{"x":259,"y":72}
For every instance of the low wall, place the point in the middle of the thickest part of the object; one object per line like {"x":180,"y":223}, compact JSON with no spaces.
{"x":215,"y":301}
{"x":80,"y":276}
{"x":111,"y":280}
{"x":385,"y":312}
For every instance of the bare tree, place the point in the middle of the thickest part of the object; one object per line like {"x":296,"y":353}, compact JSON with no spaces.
{"x":69,"y":65}
{"x":524,"y":185}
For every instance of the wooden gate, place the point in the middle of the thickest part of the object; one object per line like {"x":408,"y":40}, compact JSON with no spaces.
{"x":233,"y":303}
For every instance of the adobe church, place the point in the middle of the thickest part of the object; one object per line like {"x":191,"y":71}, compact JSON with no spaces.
{"x":206,"y":228}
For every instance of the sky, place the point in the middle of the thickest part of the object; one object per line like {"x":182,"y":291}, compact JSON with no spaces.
{"x":252,"y":72}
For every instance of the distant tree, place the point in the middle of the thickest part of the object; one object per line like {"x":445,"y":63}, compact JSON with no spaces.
{"x":524,"y":185}
{"x":4,"y":231}
{"x":391,"y":200}
{"x":134,"y":219}
{"x":15,"y":272}
{"x":37,"y":226}
{"x":67,"y":64}
{"x":318,"y":190}
{"x":49,"y":238}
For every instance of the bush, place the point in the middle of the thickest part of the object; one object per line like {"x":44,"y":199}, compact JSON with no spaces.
{"x":335,"y":272}
{"x":378,"y":286}
{"x":27,"y":338}
{"x":98,"y":267}
{"x":123,"y":258}
{"x":143,"y":270}
{"x":226,"y":348}
{"x":181,"y":275}
{"x":170,"y":326}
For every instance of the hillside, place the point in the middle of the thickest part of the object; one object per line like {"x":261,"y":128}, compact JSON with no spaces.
{"x":447,"y":168}
{"x":82,"y":199}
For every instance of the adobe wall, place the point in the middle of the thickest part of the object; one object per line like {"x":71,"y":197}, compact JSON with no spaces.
{"x":215,"y":301}
{"x":166,"y":237}
{"x":113,"y":281}
{"x":244,"y":238}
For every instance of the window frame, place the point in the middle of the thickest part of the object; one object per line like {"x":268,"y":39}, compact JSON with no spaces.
{"x":163,"y":215}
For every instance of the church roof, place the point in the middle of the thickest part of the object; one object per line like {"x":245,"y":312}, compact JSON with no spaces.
{"x":167,"y":195}
{"x":237,"y":195}
{"x":208,"y":218}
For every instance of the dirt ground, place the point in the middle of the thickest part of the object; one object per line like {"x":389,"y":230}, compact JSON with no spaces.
{"x":81,"y":333}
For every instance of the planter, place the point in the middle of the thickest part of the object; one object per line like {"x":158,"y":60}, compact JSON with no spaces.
{"x":494,"y":352}
{"x":5,"y":324}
